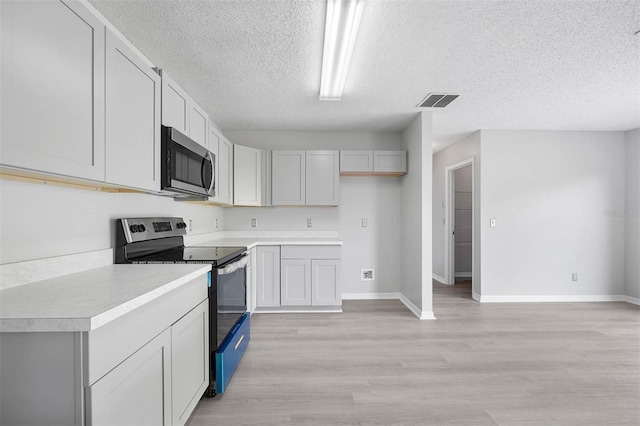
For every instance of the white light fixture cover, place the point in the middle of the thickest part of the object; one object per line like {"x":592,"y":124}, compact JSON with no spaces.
{"x":341,"y":29}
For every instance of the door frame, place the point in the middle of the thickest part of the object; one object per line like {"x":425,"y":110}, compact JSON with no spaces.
{"x":449,"y":240}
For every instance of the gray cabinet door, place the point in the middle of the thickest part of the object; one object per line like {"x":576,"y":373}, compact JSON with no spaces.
{"x":225,"y":174}
{"x":326,"y":285}
{"x":132,"y":118}
{"x":175,"y":105}
{"x":323,"y":174}
{"x":247,"y":176}
{"x":52,"y":79}
{"x":390,"y":161}
{"x":295,"y":282}
{"x":198,"y":123}
{"x":189,"y":361}
{"x":288,"y":178}
{"x":268,"y":276}
{"x":136,"y":392}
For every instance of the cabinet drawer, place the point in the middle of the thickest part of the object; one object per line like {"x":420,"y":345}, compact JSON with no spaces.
{"x":230,"y":353}
{"x":112,"y":343}
{"x":310,"y":252}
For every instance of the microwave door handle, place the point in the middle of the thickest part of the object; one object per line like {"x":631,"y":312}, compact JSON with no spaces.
{"x":213,"y":172}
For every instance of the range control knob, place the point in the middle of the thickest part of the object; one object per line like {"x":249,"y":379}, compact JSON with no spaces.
{"x":133,"y":228}
{"x":141,"y":228}
{"x":181,"y":225}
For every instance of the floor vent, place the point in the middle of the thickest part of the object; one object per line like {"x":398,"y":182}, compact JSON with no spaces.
{"x":437,"y":100}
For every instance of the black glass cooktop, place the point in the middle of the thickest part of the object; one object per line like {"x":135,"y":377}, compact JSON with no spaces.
{"x":213,"y":255}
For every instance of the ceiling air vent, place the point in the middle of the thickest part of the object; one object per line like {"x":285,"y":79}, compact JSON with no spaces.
{"x":437,"y":100}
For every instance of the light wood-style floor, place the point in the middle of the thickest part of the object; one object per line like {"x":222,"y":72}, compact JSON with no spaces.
{"x":477,"y":364}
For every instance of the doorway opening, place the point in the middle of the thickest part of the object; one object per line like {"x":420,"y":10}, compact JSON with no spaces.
{"x":459,"y":227}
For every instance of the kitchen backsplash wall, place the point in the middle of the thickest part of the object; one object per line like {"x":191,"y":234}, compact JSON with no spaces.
{"x":376,"y":199}
{"x":41,"y":221}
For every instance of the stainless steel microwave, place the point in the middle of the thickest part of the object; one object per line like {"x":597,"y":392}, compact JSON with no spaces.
{"x":187,"y":167}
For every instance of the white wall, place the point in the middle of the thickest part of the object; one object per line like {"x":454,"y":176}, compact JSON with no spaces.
{"x":374,"y":198}
{"x":416,"y":215}
{"x":551,"y":194}
{"x":632,"y":226}
{"x":39,"y":221}
{"x":468,"y":147}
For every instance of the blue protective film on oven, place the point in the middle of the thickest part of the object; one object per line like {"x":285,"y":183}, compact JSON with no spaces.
{"x":209,"y":279}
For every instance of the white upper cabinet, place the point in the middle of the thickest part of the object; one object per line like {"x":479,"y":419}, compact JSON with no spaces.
{"x":132,"y":118}
{"x":288,"y":178}
{"x":181,"y":112}
{"x":247,"y":176}
{"x":356,"y":161}
{"x":322,"y":180}
{"x":52,"y":81}
{"x":305,"y":178}
{"x":175,"y":105}
{"x":391,"y":163}
{"x":225,"y":172}
{"x":198,"y":124}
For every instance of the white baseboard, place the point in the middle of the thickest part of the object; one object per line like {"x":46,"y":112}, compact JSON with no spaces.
{"x":633,"y":300}
{"x":555,"y":298}
{"x":464,"y":274}
{"x":438,"y":278}
{"x":422,"y":315}
{"x":370,"y":296}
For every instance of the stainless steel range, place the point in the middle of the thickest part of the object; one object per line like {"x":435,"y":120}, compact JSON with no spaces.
{"x":161,"y":240}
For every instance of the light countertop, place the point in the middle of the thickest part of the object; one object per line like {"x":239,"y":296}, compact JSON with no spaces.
{"x":87,"y":300}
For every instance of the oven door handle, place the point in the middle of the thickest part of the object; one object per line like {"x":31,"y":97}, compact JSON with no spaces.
{"x":232,"y":267}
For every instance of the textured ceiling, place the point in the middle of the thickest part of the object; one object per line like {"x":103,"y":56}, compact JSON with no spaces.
{"x":255,"y":64}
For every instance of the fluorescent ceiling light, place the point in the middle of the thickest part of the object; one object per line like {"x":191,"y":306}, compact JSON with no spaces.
{"x":340,"y":31}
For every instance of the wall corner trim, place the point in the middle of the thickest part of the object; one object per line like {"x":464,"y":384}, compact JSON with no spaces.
{"x":422,"y":315}
{"x":438,"y":278}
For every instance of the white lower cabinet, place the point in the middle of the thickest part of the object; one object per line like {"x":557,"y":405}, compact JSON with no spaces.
{"x":189,"y":362}
{"x":298,"y":276}
{"x":148,"y":367}
{"x":268,"y":276}
{"x":136,"y":392}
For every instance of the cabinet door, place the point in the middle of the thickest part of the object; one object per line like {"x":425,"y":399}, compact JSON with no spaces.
{"x":295,"y":285}
{"x":390,"y":161}
{"x":132,"y":118}
{"x":52,"y":79}
{"x":175,"y":105}
{"x":323,"y":175}
{"x":326,"y":279}
{"x":356,"y":161}
{"x":189,"y":361}
{"x":213,"y":144}
{"x":288,"y":178}
{"x":136,"y":392}
{"x":198,"y":124}
{"x":247,"y":176}
{"x":225,"y":166}
{"x":268,"y":276}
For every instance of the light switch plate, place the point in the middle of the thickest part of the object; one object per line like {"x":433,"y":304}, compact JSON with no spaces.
{"x":492,"y":223}
{"x":364,"y":223}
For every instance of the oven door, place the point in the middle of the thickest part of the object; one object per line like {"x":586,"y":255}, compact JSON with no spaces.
{"x":187,"y":167}
{"x":231,"y":301}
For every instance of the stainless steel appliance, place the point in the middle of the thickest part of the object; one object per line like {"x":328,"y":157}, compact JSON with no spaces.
{"x":187,"y":168}
{"x":161,"y":240}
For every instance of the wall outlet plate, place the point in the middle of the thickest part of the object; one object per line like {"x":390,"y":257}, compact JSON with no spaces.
{"x":574,"y":276}
{"x":309,"y":224}
{"x":254,"y":223}
{"x":367,"y":274}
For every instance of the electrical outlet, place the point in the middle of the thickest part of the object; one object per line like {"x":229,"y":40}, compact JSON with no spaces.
{"x":190,"y":225}
{"x":254,"y":223}
{"x":216,"y":223}
{"x":492,"y":223}
{"x":309,"y":224}
{"x":367,"y":275}
{"x":574,"y":276}
{"x":364,"y":223}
